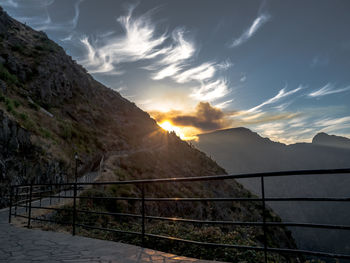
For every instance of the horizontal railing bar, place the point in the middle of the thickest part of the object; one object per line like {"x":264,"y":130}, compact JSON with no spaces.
{"x":175,"y":219}
{"x":52,"y":208}
{"x":17,"y":215}
{"x":311,"y":199}
{"x":110,"y":198}
{"x":205,"y":243}
{"x":268,"y":199}
{"x":110,"y":230}
{"x":51,"y":221}
{"x":308,"y":252}
{"x":107,"y":213}
{"x":56,"y":196}
{"x":210,"y":178}
{"x":217,"y":199}
{"x":195,"y":221}
{"x":25,"y":200}
{"x":41,"y":219}
{"x":308,"y":225}
{"x":191,"y":199}
{"x":278,"y":250}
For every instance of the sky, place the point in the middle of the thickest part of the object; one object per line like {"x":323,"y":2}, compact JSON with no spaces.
{"x":280,"y":68}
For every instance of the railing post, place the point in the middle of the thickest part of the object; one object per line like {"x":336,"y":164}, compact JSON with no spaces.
{"x":40,"y":190}
{"x":30,"y":204}
{"x":143,"y":213}
{"x":74,"y":207}
{"x":50,"y":194}
{"x":16,"y":201}
{"x":264,"y":216}
{"x":27,"y":198}
{"x":10,"y":209}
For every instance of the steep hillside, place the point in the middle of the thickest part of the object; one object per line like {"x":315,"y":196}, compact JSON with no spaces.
{"x":50,"y":107}
{"x":240,"y":150}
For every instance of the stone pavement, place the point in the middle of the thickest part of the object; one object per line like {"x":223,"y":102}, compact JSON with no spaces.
{"x":28,"y":245}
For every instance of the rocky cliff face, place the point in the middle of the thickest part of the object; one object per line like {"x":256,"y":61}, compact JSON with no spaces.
{"x":21,"y":161}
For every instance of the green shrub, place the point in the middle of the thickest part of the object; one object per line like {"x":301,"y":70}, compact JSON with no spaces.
{"x":23,"y":116}
{"x":29,"y":125}
{"x":45,"y":133}
{"x":7,"y":76}
{"x":16,"y":103}
{"x":9,"y":105}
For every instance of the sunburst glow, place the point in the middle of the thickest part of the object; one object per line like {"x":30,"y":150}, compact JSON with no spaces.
{"x":168,"y":126}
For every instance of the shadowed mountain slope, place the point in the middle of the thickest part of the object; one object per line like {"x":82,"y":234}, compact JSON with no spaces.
{"x":240,"y":150}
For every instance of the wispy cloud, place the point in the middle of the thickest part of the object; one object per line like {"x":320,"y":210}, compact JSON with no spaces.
{"x":223,"y":105}
{"x":210,"y":91}
{"x":169,"y":56}
{"x":328,"y":89}
{"x":281,"y":94}
{"x":175,"y":56}
{"x":9,"y":3}
{"x":331,"y":122}
{"x":251,"y":31}
{"x":319,"y":61}
{"x":140,"y":41}
{"x":44,"y":21}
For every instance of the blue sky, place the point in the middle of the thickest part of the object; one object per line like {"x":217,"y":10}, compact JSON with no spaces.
{"x":277,"y":67}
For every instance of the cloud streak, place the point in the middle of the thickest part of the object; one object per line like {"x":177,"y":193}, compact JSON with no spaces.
{"x":211,"y":91}
{"x":44,"y":21}
{"x":169,"y":56}
{"x":139,"y":42}
{"x":251,"y":31}
{"x":327,"y":90}
{"x":280,"y":95}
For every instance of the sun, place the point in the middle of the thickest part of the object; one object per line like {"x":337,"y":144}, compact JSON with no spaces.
{"x":168,"y":126}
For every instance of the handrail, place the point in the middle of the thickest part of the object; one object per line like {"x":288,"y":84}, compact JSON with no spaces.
{"x":206,"y":178}
{"x":143,"y":199}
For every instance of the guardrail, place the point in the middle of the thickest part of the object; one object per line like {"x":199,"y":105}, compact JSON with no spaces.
{"x":28,"y":193}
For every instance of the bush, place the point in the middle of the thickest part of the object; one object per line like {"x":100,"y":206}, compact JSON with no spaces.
{"x":7,"y":76}
{"x":16,"y":103}
{"x":45,"y":133}
{"x":9,"y":105}
{"x":23,"y":116}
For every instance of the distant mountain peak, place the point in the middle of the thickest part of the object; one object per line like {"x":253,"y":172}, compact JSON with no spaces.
{"x":236,"y":135}
{"x":325,"y":139}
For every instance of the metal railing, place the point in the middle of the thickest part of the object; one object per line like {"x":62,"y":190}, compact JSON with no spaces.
{"x":23,"y":196}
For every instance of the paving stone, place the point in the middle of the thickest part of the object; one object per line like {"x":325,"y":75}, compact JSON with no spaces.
{"x":29,"y":245}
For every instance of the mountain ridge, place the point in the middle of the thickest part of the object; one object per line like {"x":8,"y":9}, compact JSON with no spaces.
{"x":320,"y":138}
{"x":255,"y":155}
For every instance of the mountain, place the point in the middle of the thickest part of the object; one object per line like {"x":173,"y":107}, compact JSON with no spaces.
{"x":331,"y":140}
{"x":50,"y":108}
{"x":239,"y":150}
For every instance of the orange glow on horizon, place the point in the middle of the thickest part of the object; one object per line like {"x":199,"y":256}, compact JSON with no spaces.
{"x":179,"y":131}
